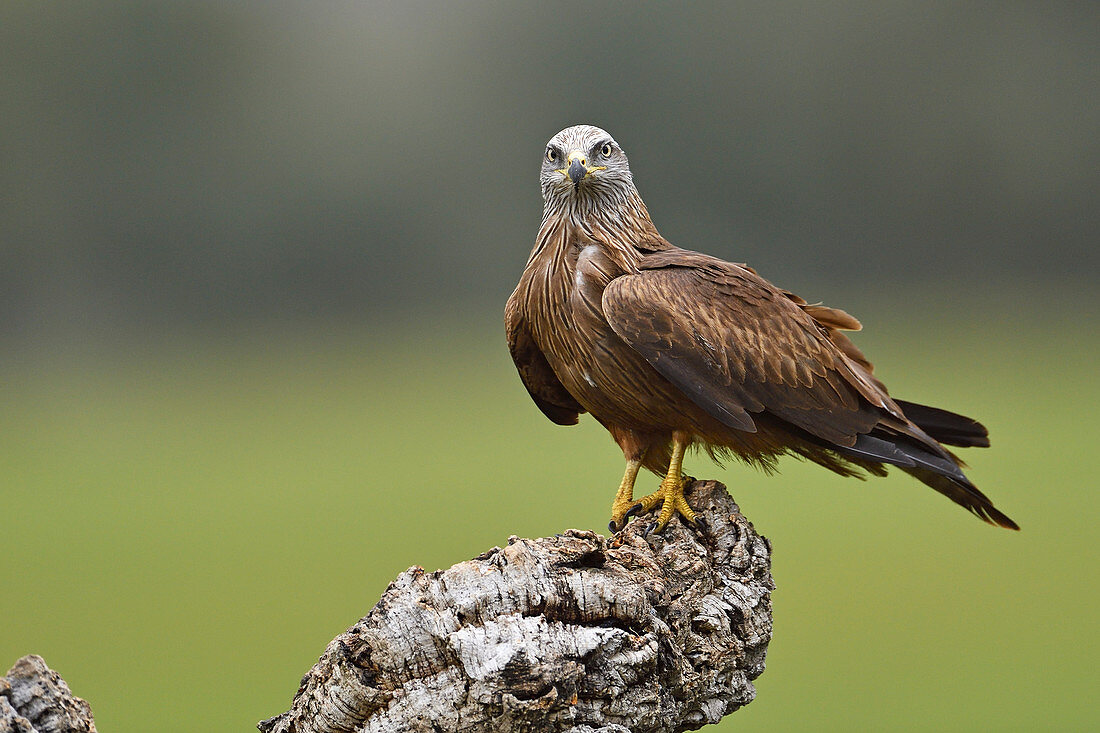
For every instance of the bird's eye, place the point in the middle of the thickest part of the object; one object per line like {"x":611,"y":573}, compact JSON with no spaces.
{"x":605,"y":151}
{"x":551,"y":154}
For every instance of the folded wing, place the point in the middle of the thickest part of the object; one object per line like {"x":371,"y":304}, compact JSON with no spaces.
{"x":738,"y":346}
{"x":542,"y":384}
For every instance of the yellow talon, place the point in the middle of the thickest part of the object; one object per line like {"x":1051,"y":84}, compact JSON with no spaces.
{"x":649,"y":502}
{"x":625,"y":498}
{"x":670,"y":494}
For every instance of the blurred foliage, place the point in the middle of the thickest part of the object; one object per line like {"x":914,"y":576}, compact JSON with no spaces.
{"x":188,"y":524}
{"x":205,"y":162}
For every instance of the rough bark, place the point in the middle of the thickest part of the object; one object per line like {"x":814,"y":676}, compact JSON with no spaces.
{"x":34,"y":699}
{"x":574,"y":632}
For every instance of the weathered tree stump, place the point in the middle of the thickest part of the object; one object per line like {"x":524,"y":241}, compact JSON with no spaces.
{"x":34,"y":699}
{"x":574,"y":632}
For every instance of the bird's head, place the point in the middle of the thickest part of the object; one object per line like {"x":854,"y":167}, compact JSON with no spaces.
{"x":584,"y":162}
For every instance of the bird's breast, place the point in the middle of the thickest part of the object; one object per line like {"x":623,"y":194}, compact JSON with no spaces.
{"x":602,"y":372}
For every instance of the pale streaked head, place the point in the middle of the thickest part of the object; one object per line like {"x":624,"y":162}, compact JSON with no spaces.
{"x":584,"y":162}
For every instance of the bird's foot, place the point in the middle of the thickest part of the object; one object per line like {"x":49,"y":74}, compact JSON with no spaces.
{"x":620,"y":512}
{"x":670,"y":496}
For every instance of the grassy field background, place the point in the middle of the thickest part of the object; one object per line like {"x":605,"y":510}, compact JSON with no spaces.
{"x":186,"y":523}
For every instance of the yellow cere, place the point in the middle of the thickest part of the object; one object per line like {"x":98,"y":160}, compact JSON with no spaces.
{"x":584,"y":161}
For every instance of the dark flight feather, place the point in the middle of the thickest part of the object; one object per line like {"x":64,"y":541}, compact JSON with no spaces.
{"x":946,"y":427}
{"x":965,"y":494}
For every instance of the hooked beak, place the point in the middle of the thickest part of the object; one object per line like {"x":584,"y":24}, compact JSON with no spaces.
{"x":577,"y":170}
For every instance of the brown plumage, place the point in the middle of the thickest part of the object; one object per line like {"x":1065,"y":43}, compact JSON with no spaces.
{"x":667,"y":348}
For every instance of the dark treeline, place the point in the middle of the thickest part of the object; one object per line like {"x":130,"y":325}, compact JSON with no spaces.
{"x":199,"y":163}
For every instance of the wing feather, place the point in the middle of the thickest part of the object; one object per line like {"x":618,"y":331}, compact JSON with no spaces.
{"x":736,"y":345}
{"x":535,"y":372}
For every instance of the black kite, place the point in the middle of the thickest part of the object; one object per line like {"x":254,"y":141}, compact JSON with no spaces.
{"x":667,"y":348}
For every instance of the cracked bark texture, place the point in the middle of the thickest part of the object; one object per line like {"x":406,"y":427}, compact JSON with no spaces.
{"x":34,"y":699}
{"x":574,"y":632}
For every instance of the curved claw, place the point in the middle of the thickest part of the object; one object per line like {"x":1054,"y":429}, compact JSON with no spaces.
{"x":669,"y":498}
{"x":620,"y":517}
{"x":618,"y":525}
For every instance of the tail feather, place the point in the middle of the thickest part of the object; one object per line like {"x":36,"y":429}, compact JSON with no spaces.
{"x":946,"y":427}
{"x":938,"y":471}
{"x":902,"y":451}
{"x":965,"y":494}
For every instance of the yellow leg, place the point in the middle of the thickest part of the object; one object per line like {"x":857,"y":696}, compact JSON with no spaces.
{"x":624,"y":499}
{"x":670,"y":494}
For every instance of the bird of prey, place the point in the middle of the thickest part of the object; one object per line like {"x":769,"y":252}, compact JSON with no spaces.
{"x":669,"y":348}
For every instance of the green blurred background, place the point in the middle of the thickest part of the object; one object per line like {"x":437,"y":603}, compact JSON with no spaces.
{"x":253,"y":258}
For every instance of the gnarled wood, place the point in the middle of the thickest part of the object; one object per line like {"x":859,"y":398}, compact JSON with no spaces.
{"x":34,"y":699}
{"x":574,"y":632}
